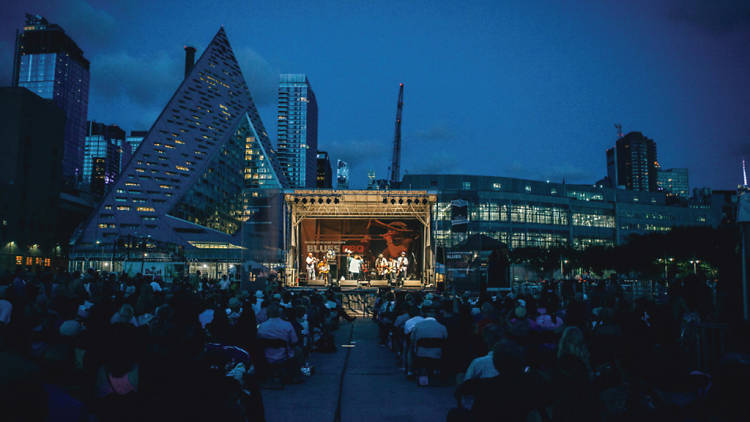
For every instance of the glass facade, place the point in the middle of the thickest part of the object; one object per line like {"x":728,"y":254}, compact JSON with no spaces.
{"x":297,"y":122}
{"x":526,"y":213}
{"x":186,"y":179}
{"x":50,"y":64}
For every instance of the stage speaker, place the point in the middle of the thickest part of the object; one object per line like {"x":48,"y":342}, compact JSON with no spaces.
{"x":379,"y":283}
{"x":348,"y":283}
{"x":315,"y":283}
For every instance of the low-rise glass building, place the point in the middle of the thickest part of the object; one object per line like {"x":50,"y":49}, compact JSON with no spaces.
{"x":528,"y":213}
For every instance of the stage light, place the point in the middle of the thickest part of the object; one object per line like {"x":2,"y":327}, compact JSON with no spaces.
{"x":393,"y":201}
{"x":296,"y":200}
{"x":385,"y":200}
{"x":336,"y":201}
{"x":328,"y":200}
{"x":424,"y":202}
{"x":400,"y":201}
{"x":408,"y":201}
{"x":304,"y":200}
{"x":320,"y":200}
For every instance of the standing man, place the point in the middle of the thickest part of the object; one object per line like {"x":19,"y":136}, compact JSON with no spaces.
{"x":310,"y":261}
{"x":332,"y":267}
{"x":392,"y":269}
{"x":381,"y":266}
{"x":355,"y":265}
{"x":348,"y":263}
{"x":403,"y":265}
{"x":323,"y":270}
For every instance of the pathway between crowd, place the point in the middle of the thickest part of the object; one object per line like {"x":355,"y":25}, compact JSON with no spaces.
{"x":358,"y":383}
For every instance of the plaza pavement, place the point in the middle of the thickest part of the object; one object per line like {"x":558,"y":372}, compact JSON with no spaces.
{"x":373,"y":387}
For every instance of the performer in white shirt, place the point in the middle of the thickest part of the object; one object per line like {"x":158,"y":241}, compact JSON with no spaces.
{"x":402,"y":264}
{"x":310,"y":261}
{"x":381,"y":266}
{"x":354,"y":267}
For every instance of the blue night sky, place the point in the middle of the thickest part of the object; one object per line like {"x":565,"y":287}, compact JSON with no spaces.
{"x":526,"y":89}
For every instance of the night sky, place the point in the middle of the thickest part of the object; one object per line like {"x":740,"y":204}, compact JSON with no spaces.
{"x":527,"y":89}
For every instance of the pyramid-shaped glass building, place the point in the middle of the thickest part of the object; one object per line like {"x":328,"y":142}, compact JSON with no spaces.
{"x":184,"y":186}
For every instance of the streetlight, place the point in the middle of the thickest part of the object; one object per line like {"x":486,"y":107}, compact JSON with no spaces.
{"x":562,"y":269}
{"x":695,"y":262}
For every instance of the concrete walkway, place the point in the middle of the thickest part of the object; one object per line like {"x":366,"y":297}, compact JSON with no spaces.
{"x":373,"y":387}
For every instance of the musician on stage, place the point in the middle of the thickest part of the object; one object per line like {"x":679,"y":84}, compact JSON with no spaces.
{"x":323,"y":269}
{"x":310,"y":261}
{"x":402,"y":264}
{"x":392,"y":269}
{"x":355,"y":266}
{"x":331,"y":258}
{"x":381,"y":266}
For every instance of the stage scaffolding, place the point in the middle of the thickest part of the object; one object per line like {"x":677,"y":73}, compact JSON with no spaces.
{"x":301,"y":204}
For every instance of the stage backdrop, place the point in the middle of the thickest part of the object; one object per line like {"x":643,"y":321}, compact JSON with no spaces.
{"x":366,"y":237}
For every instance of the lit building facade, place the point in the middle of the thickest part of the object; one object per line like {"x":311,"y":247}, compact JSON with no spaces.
{"x":134,"y":140}
{"x":50,"y":64}
{"x":325,"y":173}
{"x":674,"y":182}
{"x":102,"y":156}
{"x":527,"y":213}
{"x":632,"y":163}
{"x":297,"y":131}
{"x":181,"y":196}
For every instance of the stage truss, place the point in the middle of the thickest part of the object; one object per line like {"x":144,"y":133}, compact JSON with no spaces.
{"x":302,"y":204}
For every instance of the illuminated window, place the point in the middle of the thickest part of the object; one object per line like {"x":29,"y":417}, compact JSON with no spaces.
{"x":527,"y":188}
{"x":497,"y":186}
{"x":165,"y":186}
{"x":19,"y":260}
{"x":29,"y":260}
{"x":47,"y":262}
{"x":466,"y":185}
{"x":37,"y":261}
{"x":123,"y":208}
{"x":146,"y":209}
{"x":183,"y":168}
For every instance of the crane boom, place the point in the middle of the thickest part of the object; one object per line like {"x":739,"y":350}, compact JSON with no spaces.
{"x":396,"y":161}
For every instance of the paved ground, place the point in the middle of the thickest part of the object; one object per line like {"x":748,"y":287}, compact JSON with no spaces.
{"x":373,"y":388}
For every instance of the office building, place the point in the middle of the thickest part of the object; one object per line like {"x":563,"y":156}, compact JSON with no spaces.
{"x":342,"y":174}
{"x":50,"y":64}
{"x":103,"y":155}
{"x":30,"y":178}
{"x":632,"y":163}
{"x":325,"y":173}
{"x":134,"y":140}
{"x":298,"y":131}
{"x":673,"y":182}
{"x":180,"y":199}
{"x":524,"y":213}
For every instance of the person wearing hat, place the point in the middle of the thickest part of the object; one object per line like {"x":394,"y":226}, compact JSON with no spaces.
{"x":310,"y":261}
{"x":402,"y":264}
{"x":381,"y":266}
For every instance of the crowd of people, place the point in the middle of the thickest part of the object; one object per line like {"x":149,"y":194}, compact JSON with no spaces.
{"x":108,"y":347}
{"x":551,"y":357}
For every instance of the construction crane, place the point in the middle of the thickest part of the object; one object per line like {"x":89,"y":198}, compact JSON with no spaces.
{"x":619,"y":130}
{"x":396,"y":162}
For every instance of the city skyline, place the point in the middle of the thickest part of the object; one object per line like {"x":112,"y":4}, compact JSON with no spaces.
{"x":554,"y":80}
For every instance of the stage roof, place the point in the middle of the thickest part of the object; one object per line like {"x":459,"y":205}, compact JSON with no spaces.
{"x":334,"y":203}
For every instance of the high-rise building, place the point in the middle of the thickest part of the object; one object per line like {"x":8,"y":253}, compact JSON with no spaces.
{"x":632,"y":163}
{"x":673,"y":182}
{"x":102,"y":156}
{"x":325,"y":173}
{"x":182,"y":192}
{"x":49,"y":63}
{"x":134,"y":139}
{"x":342,"y":174}
{"x":30,"y":175}
{"x":297,"y":131}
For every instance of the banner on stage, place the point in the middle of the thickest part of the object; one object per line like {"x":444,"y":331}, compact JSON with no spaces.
{"x":366,"y":237}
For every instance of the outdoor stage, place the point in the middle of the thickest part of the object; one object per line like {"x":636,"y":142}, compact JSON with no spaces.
{"x":360,"y":301}
{"x":368,"y":223}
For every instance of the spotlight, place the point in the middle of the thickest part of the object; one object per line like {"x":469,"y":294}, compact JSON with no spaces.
{"x":424,"y":202}
{"x":385,"y":200}
{"x":320,"y":200}
{"x":296,"y":200}
{"x":408,"y":201}
{"x":304,"y":200}
{"x":400,"y":201}
{"x":393,"y":201}
{"x":336,"y":201}
{"x":328,"y":200}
